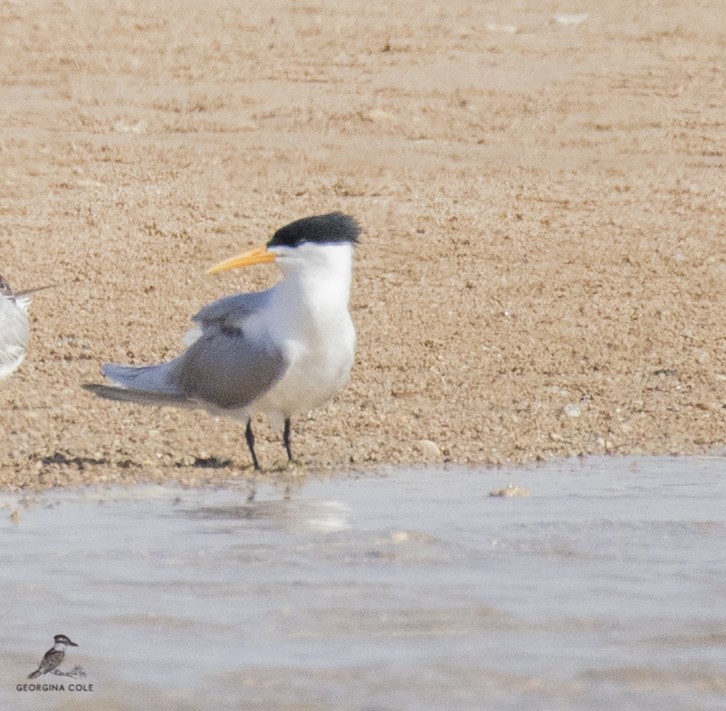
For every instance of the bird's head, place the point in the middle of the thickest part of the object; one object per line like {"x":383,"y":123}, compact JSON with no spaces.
{"x":299,"y":242}
{"x":63,"y":639}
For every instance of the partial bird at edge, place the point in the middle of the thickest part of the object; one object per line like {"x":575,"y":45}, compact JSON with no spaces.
{"x":14,"y":326}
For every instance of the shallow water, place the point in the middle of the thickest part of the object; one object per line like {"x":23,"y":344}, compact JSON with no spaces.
{"x":410,"y":590}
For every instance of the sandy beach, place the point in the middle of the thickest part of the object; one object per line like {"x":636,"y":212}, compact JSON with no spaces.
{"x":541,"y":185}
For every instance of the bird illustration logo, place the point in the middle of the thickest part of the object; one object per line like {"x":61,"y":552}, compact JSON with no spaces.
{"x":53,"y":658}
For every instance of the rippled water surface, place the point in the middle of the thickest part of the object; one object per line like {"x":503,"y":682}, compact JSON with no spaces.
{"x":606,"y":588}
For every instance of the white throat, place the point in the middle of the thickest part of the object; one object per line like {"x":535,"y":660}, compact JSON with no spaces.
{"x":308,"y":316}
{"x":318,"y":268}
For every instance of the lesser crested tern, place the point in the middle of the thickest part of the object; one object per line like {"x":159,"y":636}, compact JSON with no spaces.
{"x":278,"y":352}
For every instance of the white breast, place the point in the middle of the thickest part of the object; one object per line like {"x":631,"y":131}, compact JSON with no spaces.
{"x":308,"y":319}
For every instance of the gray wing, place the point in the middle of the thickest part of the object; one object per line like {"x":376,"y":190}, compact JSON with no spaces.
{"x":229,"y":309}
{"x":227,"y":366}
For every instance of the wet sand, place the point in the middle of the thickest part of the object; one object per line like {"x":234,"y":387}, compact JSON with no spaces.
{"x":542,"y":271}
{"x":410,"y":590}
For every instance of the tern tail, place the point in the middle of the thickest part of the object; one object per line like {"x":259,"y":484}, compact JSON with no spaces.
{"x":114,"y":392}
{"x":146,"y":384}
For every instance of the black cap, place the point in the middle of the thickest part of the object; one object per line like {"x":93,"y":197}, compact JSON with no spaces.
{"x":333,"y":228}
{"x":64,"y":639}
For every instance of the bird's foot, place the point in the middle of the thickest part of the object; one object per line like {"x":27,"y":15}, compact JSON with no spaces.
{"x":294,"y":465}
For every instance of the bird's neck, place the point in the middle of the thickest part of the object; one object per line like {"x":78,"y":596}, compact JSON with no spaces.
{"x":322,"y":280}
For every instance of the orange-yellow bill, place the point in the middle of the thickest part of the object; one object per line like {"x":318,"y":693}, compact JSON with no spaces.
{"x":259,"y":255}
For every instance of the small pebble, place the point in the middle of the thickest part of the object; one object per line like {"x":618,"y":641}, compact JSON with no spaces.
{"x":428,"y":448}
{"x":565,"y":18}
{"x":504,"y":29}
{"x":377,"y":115}
{"x":511,"y":490}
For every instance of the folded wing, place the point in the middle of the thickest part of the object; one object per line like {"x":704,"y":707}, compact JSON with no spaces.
{"x":228,"y":365}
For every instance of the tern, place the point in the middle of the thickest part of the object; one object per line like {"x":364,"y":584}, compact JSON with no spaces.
{"x":278,"y":352}
{"x":14,"y":328}
{"x":53,"y":658}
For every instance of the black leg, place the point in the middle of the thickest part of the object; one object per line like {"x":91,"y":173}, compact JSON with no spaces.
{"x":251,"y":443}
{"x":286,"y":439}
